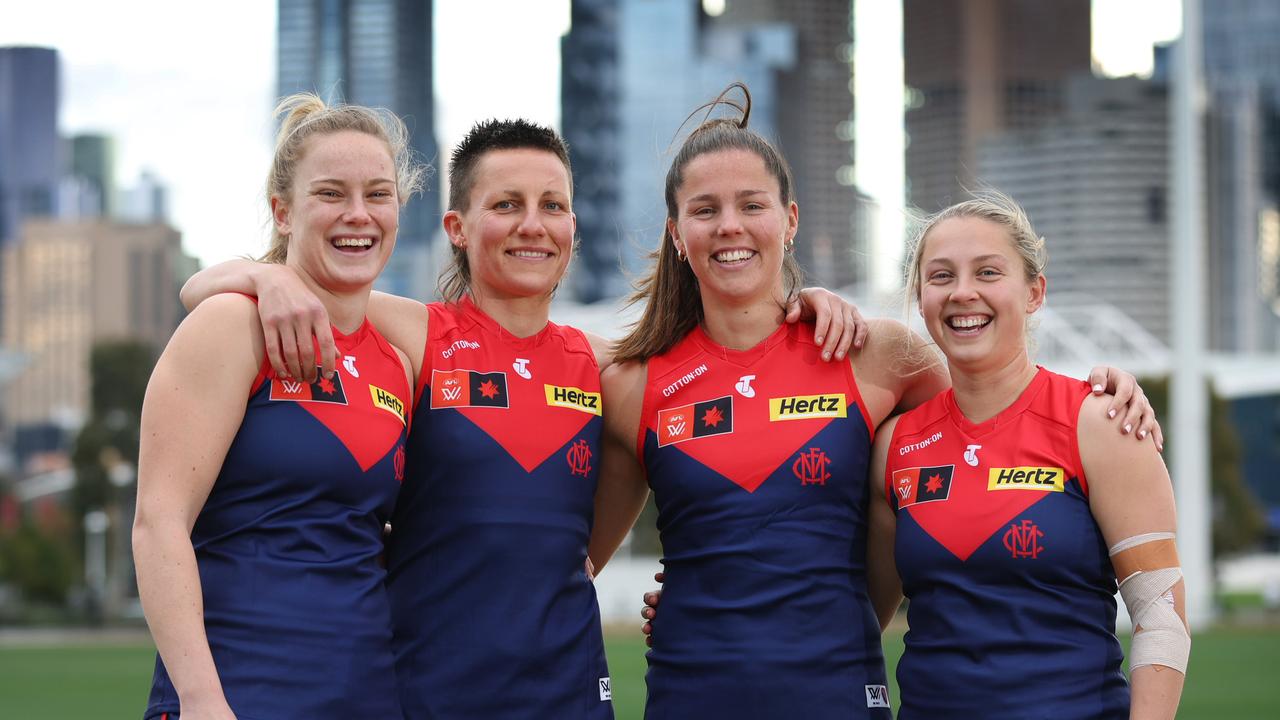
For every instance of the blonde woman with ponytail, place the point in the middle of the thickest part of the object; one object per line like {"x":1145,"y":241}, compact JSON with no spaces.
{"x":262,"y":498}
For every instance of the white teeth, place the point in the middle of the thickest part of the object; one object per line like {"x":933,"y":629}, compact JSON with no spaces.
{"x":352,"y":242}
{"x":966,"y":322}
{"x":725,"y":256}
{"x":530,"y":253}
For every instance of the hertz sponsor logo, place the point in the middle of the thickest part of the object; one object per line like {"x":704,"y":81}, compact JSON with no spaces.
{"x":807,"y":406}
{"x":573,"y":398}
{"x":1026,"y":478}
{"x":387,"y":401}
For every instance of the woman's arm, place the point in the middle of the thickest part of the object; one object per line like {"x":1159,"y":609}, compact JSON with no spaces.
{"x":209,"y":364}
{"x":1132,"y":500}
{"x":622,"y":489}
{"x":883,"y":584}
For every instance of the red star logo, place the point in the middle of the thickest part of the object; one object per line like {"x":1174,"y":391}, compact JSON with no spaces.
{"x":488,"y":389}
{"x":326,"y":386}
{"x":712,"y":417}
{"x":934,"y":484}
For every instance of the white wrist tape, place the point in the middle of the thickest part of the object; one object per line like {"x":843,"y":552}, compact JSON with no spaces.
{"x":1160,"y":637}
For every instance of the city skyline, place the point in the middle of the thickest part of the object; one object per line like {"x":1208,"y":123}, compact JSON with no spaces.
{"x":200,"y":117}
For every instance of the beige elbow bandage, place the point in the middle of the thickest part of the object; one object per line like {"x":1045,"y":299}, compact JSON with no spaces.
{"x":1150,"y":573}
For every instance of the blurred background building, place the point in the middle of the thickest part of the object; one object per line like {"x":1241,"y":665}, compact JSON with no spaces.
{"x":375,"y":53}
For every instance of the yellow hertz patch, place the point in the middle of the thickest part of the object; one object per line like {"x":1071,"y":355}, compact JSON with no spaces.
{"x":1026,"y":478}
{"x":388,"y":402}
{"x":802,"y":407}
{"x":573,"y":398}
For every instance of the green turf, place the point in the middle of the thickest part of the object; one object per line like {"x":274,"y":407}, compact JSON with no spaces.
{"x":1232,"y":675}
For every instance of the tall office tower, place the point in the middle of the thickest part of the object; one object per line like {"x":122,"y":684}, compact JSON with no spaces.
{"x":975,"y":68}
{"x":590,"y":123}
{"x":93,"y":166}
{"x":68,"y":284}
{"x":375,"y":53}
{"x":815,"y":131}
{"x":1242,"y":75}
{"x":1095,"y":182}
{"x":28,"y":140}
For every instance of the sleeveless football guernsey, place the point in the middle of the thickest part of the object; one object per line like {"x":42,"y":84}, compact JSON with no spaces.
{"x":758,"y":462}
{"x":1012,"y":611}
{"x":494,"y":615}
{"x":288,"y":542}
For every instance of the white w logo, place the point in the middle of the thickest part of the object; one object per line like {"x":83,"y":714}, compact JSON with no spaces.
{"x":905,"y":491}
{"x":292,"y":387}
{"x":451,"y":393}
{"x":675,"y":429}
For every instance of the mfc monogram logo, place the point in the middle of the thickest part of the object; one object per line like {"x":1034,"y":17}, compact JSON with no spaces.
{"x":397,"y":462}
{"x":579,"y":457}
{"x":1023,"y":541}
{"x":811,"y":467}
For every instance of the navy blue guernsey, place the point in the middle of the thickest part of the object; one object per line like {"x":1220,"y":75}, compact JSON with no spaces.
{"x":287,"y":544}
{"x":758,"y":461}
{"x":494,"y":615}
{"x":1012,"y":595}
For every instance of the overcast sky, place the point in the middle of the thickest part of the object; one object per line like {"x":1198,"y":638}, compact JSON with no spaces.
{"x":186,"y":88}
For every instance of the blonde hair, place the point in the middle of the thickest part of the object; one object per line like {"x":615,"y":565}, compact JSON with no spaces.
{"x":673,"y":304}
{"x":305,"y":115}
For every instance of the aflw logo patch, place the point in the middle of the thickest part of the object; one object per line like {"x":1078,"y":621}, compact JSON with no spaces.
{"x":922,"y":484}
{"x":1026,"y":478}
{"x":877,"y":696}
{"x":807,"y":406}
{"x":573,"y":398}
{"x":387,"y":401}
{"x":468,"y":388}
{"x":710,"y":417}
{"x":324,"y":389}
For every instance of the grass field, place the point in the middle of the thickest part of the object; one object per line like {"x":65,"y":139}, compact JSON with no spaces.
{"x":1232,"y":675}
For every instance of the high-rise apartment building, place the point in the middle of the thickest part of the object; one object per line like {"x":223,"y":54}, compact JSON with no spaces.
{"x":1094,"y":182}
{"x":1242,"y":75}
{"x":815,"y":131}
{"x":68,"y":284}
{"x":975,"y":68}
{"x":375,"y":53}
{"x":590,"y":122}
{"x":93,"y":167}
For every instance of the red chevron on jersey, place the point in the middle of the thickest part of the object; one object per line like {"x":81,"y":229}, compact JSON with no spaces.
{"x":519,"y":410}
{"x":1018,"y":450}
{"x":705,"y":429}
{"x":373,"y":394}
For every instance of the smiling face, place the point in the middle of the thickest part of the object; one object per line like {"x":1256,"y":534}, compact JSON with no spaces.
{"x":733,"y":225}
{"x":975,"y":296}
{"x":517,"y":230}
{"x":342,"y":212}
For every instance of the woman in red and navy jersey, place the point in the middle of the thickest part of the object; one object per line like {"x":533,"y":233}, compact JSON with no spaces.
{"x":493,"y":610}
{"x":261,"y":496}
{"x":756,"y":451}
{"x":1011,"y":509}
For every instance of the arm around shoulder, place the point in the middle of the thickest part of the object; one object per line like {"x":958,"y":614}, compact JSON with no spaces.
{"x":622,"y":489}
{"x":897,"y":369}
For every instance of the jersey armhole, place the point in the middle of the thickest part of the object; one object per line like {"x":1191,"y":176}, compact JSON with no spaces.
{"x":424,"y":373}
{"x":887,"y":480}
{"x":264,"y":374}
{"x":646,"y":405}
{"x":857,"y":398}
{"x":1074,"y":446}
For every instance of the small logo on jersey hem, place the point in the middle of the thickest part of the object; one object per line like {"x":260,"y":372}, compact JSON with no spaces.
{"x":801,"y":407}
{"x":688,"y":422}
{"x":389,"y":402}
{"x":606,"y":692}
{"x":877,"y":696}
{"x":913,"y":486}
{"x":1027,"y":478}
{"x":326,"y":390}
{"x":573,"y":398}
